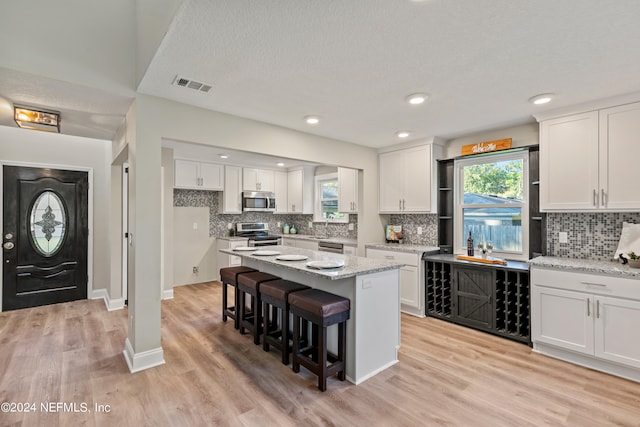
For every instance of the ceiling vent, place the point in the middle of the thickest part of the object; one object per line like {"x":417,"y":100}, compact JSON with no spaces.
{"x":191,"y":84}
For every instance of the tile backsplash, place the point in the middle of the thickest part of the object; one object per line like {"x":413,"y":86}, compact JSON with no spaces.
{"x":591,"y":235}
{"x":218,"y":222}
{"x":410,"y":224}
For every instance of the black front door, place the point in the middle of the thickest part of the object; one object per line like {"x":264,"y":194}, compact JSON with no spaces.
{"x":45,"y":236}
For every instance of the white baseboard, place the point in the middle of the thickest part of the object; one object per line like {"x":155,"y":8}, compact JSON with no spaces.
{"x":111,"y":304}
{"x":167,"y":294}
{"x":143,"y":360}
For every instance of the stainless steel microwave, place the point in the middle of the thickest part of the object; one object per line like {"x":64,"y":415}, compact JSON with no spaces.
{"x":264,"y":201}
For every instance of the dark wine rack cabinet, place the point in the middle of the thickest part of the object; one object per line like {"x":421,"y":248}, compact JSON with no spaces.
{"x":494,"y":299}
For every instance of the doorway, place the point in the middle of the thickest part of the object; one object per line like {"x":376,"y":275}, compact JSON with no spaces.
{"x":45,"y":236}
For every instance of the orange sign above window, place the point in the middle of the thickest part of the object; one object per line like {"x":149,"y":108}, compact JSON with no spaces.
{"x":486,"y":147}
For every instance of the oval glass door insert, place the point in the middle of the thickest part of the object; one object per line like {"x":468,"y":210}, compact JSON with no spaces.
{"x":47,"y":223}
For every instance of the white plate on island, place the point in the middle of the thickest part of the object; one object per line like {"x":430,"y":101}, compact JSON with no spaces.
{"x":266,"y":253}
{"x":245,"y":248}
{"x":291,"y":257}
{"x":325,"y":265}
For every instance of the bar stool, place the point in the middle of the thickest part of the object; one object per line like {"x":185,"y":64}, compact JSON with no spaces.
{"x":229,"y":277}
{"x":274,"y":295}
{"x":322,"y":309}
{"x":249,"y":284}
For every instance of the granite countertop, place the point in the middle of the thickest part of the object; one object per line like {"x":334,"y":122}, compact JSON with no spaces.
{"x":354,"y":265}
{"x":343,"y":240}
{"x":611,"y":268}
{"x":511,"y":265}
{"x":232,"y":238}
{"x":403,"y":247}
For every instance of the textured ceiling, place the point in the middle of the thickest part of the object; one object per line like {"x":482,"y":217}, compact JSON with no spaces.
{"x":350,"y":62}
{"x":353,"y":62}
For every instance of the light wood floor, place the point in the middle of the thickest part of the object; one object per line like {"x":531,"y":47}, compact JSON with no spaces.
{"x":447,"y":375}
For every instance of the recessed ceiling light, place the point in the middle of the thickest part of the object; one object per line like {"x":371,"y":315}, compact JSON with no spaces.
{"x":312,"y":120}
{"x":417,"y":98}
{"x":224,"y":156}
{"x":403,"y":134}
{"x":541,"y":99}
{"x":280,"y":164}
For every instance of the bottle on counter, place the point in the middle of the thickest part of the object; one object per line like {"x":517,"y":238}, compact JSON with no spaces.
{"x":285,"y":229}
{"x":470,"y":245}
{"x":293,"y":230}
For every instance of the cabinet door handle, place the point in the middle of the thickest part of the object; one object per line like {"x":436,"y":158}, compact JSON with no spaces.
{"x":389,"y":257}
{"x":595,"y":197}
{"x":597,"y":309}
{"x":588,"y":307}
{"x":602,"y":197}
{"x":403,"y":208}
{"x":399,"y":204}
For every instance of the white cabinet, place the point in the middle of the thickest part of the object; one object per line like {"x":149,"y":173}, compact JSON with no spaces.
{"x":588,"y":161}
{"x":231,"y":196}
{"x":258,"y":180}
{"x":407,"y":179}
{"x":350,"y":250}
{"x":300,"y":191}
{"x":347,"y":190}
{"x":411,"y":278}
{"x":280,"y":190}
{"x":198,"y":175}
{"x":300,"y":243}
{"x":586,"y":319}
{"x":225,"y":260}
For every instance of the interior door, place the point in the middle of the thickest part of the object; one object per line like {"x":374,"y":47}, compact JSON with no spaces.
{"x":45,"y":236}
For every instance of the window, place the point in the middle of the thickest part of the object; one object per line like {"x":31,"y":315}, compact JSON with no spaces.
{"x":492,"y":203}
{"x":327,"y":199}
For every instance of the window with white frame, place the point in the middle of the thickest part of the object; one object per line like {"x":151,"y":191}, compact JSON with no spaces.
{"x":492,"y":202}
{"x":326,"y":206}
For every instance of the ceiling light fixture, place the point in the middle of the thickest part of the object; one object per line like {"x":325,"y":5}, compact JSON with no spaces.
{"x":541,"y":99}
{"x":312,"y":120}
{"x":224,"y":156}
{"x":280,"y":164}
{"x":38,"y":119}
{"x":417,"y":98}
{"x":403,"y":134}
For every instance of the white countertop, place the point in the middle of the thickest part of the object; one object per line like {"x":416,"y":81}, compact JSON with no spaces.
{"x":232,"y":238}
{"x":402,"y":247}
{"x":612,"y":268}
{"x":343,"y":240}
{"x":354,"y":265}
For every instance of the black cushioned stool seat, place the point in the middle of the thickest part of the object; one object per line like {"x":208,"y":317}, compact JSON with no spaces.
{"x":249,"y":284}
{"x":229,"y":277}
{"x":322,"y":309}
{"x":274,"y":295}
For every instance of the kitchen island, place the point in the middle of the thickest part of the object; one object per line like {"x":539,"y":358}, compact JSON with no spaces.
{"x":372,"y":286}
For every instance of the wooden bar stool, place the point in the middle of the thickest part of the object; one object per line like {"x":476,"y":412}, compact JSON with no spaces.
{"x":322,"y":309}
{"x":229,"y":277}
{"x":249,"y":284}
{"x":274,"y":295}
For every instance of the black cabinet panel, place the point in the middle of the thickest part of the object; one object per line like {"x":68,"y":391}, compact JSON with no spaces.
{"x":489,"y":298}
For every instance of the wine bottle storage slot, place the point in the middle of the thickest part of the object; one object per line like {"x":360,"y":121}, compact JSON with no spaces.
{"x":508,"y":302}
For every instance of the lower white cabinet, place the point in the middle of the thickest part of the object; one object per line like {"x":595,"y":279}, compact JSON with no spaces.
{"x":350,"y":250}
{"x":300,"y":243}
{"x":587,"y":319}
{"x":411,"y":278}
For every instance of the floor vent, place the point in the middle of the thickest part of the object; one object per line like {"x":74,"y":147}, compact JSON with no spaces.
{"x":191,"y":84}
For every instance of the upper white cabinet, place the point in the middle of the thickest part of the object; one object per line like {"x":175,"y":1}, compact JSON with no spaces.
{"x":258,"y":180}
{"x":407,"y":179}
{"x":198,"y":175}
{"x":231,"y":196}
{"x":347,"y":190}
{"x":588,"y":161}
{"x":281,"y":183}
{"x":300,"y":191}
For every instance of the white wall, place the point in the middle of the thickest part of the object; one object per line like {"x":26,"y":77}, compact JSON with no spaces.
{"x":523,"y":135}
{"x":28,"y":146}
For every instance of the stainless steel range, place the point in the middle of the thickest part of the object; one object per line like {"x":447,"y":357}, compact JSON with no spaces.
{"x":257,"y":233}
